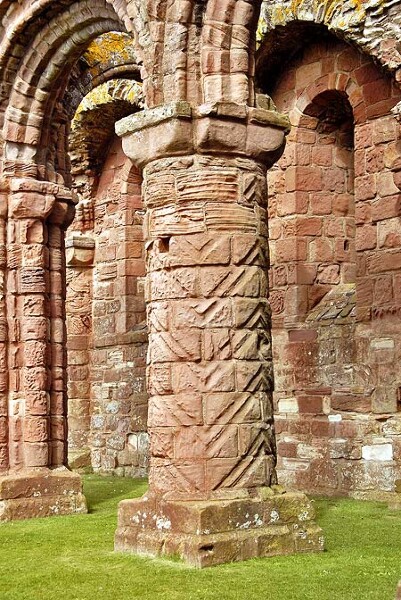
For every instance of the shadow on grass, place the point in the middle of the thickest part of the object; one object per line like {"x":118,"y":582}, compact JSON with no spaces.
{"x":106,"y":492}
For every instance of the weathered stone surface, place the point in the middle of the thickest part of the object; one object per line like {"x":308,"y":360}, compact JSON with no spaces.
{"x":207,"y":533}
{"x":210,"y":375}
{"x":40,"y":494}
{"x":334,"y":241}
{"x":334,"y":257}
{"x":105,"y":322}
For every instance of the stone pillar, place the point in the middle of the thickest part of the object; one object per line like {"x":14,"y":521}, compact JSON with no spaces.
{"x":36,"y":481}
{"x":80,"y":254}
{"x":212,"y":485}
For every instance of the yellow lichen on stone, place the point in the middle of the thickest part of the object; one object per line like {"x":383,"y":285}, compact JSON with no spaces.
{"x":332,"y":13}
{"x":121,"y":89}
{"x":105,"y":48}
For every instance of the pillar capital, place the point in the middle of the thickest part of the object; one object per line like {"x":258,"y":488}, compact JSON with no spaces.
{"x":228,"y":129}
{"x":80,"y":250}
{"x":30,"y":198}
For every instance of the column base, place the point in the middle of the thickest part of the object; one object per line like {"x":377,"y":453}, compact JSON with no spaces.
{"x":211,"y":532}
{"x":40,"y":493}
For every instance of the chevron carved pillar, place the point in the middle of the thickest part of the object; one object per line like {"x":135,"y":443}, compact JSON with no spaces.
{"x":210,"y":375}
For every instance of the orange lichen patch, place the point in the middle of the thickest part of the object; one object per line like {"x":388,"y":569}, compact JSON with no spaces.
{"x":113,"y":47}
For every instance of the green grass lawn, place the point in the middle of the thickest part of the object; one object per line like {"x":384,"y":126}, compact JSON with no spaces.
{"x":72,"y":558}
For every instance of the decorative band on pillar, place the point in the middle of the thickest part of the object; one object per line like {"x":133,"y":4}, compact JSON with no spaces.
{"x":212,"y":467}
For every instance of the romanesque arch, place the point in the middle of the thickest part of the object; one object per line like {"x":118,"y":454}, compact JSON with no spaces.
{"x":106,"y":335}
{"x":335,"y":405}
{"x":204,"y":145}
{"x":44,"y":42}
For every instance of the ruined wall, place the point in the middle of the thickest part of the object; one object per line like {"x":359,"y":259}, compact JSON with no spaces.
{"x":119,"y":400}
{"x":336,"y":296}
{"x":108,"y":419}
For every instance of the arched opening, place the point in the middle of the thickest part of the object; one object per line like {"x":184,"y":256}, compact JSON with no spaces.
{"x":328,"y":259}
{"x":312,"y":214}
{"x":106,"y":333}
{"x":43,"y":77}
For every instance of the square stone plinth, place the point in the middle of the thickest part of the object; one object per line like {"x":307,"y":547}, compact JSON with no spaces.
{"x":40,"y":493}
{"x":210,"y":532}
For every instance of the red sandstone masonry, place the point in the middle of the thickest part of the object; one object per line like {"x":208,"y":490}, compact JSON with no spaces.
{"x":209,"y":357}
{"x":358,"y":244}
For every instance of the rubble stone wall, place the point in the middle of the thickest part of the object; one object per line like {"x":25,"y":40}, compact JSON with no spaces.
{"x":108,"y":402}
{"x":336,"y":297}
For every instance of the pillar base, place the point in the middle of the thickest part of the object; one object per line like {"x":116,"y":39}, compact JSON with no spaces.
{"x":40,"y":493}
{"x":210,"y":532}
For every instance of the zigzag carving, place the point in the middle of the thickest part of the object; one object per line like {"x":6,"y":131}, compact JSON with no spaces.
{"x":250,"y":250}
{"x":199,"y":250}
{"x":158,"y":316}
{"x":252,"y":313}
{"x":217,"y":344}
{"x":169,"y":411}
{"x":254,"y":376}
{"x":236,"y":281}
{"x":203,"y":313}
{"x":171,"y":476}
{"x":234,"y":407}
{"x":206,"y":377}
{"x":175,"y":346}
{"x":211,"y":441}
{"x":244,"y":472}
{"x":251,"y":344}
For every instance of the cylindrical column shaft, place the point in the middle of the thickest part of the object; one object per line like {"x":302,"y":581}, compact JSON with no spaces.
{"x":210,"y":369}
{"x":212,"y":466}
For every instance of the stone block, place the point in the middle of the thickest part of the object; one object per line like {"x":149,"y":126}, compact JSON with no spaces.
{"x":377,"y":452}
{"x":41,"y":493}
{"x":214,"y":531}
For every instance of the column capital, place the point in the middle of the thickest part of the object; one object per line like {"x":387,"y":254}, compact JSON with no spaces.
{"x":80,"y":250}
{"x":29,"y":198}
{"x":178,"y":129}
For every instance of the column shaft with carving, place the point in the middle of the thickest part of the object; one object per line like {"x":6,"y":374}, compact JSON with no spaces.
{"x":37,"y":482}
{"x":210,"y":369}
{"x":212,"y":495}
{"x":4,"y":424}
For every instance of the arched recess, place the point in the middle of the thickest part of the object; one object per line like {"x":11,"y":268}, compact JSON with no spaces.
{"x":334,"y":210}
{"x":105,"y":300}
{"x":31,"y":125}
{"x":368,"y":26}
{"x":312,"y":210}
{"x":43,"y":43}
